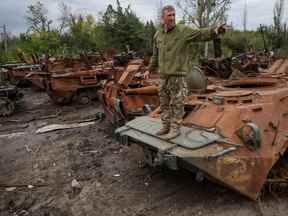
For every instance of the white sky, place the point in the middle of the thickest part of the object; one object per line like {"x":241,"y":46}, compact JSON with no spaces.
{"x":12,"y":12}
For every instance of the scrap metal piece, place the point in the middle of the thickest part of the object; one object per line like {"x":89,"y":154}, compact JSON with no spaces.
{"x":55,"y":127}
{"x":129,"y":95}
{"x":9,"y":96}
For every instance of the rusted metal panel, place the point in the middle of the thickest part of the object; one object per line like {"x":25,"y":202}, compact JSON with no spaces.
{"x":75,"y":80}
{"x":130,"y":72}
{"x":130,"y":95}
{"x":17,"y":73}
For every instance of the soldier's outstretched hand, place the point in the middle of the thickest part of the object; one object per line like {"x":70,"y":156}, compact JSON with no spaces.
{"x":221,"y":29}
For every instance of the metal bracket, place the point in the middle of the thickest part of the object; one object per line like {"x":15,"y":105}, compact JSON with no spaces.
{"x":167,"y":160}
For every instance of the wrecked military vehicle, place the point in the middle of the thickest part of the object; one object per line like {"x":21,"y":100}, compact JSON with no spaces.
{"x":128,"y":94}
{"x":82,"y":84}
{"x":71,"y":79}
{"x":16,"y":73}
{"x":235,"y":133}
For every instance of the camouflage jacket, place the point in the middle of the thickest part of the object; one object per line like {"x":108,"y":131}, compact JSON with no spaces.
{"x":172,"y":49}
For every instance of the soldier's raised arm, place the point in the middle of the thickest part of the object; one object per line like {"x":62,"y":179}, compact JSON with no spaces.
{"x":203,"y":34}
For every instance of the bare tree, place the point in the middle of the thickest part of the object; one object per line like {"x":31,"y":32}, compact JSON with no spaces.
{"x":37,"y":18}
{"x":158,"y":12}
{"x":204,"y":13}
{"x":245,"y":16}
{"x":278,"y":15}
{"x":4,"y":38}
{"x":65,"y":17}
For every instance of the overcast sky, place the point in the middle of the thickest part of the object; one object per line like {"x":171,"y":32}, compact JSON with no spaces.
{"x":12,"y":12}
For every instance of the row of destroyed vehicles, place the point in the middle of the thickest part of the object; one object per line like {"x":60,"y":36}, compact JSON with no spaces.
{"x":235,"y":128}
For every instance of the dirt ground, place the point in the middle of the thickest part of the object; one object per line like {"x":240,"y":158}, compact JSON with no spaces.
{"x":113,"y":179}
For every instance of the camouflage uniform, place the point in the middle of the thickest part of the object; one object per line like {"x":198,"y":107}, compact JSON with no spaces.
{"x":172,"y":57}
{"x":173,"y":90}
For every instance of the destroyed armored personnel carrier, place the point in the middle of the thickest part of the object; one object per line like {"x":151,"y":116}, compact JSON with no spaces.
{"x":128,"y":94}
{"x":236,"y":133}
{"x":9,"y":96}
{"x":16,"y":73}
{"x":82,"y":84}
{"x":71,"y":80}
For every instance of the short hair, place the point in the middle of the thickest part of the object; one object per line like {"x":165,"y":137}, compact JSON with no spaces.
{"x":167,"y":8}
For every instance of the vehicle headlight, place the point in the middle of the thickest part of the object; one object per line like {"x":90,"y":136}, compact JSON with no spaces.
{"x":250,"y":135}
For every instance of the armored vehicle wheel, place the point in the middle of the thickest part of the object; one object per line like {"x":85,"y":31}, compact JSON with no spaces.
{"x":6,"y":107}
{"x":14,"y":81}
{"x":83,"y":98}
{"x":61,"y":100}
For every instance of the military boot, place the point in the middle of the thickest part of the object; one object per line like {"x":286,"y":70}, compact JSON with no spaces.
{"x":164,"y":130}
{"x":174,"y":132}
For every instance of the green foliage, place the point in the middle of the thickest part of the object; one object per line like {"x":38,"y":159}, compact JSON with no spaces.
{"x":2,"y":57}
{"x":236,"y":41}
{"x":123,"y":28}
{"x":43,"y":42}
{"x":82,"y":34}
{"x":150,"y":31}
{"x":120,"y":28}
{"x":277,"y":38}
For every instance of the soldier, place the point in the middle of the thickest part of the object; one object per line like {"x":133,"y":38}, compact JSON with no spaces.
{"x":171,"y":57}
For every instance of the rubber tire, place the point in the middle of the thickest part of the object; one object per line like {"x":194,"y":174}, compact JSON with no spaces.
{"x":83,"y":98}
{"x":8,"y":109}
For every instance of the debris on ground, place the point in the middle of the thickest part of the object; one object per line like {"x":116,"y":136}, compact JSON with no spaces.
{"x":54,"y":127}
{"x":13,"y":135}
{"x":86,"y":154}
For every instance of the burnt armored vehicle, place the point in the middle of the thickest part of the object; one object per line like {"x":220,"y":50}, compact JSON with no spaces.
{"x":128,"y":94}
{"x":67,"y":80}
{"x":236,"y":133}
{"x":9,"y":97}
{"x":16,"y":73}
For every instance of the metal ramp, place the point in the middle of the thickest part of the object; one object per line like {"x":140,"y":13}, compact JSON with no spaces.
{"x":143,"y":129}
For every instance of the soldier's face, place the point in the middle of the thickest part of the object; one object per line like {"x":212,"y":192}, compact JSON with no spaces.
{"x":168,"y":18}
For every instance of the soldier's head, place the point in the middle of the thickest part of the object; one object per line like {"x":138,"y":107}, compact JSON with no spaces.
{"x":168,"y":16}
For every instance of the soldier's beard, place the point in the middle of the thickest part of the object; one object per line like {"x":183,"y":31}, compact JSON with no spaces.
{"x":169,"y":26}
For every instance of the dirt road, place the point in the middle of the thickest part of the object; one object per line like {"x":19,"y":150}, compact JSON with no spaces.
{"x":37,"y":171}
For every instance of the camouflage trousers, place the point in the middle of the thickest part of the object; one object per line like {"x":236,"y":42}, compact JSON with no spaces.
{"x":173,"y":90}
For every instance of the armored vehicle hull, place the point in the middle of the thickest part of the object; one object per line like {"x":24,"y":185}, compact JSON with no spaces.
{"x":235,"y":133}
